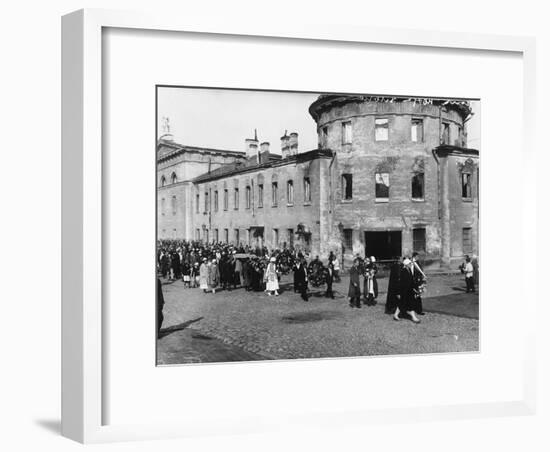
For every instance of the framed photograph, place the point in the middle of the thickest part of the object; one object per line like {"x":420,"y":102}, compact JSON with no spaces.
{"x":285,"y":226}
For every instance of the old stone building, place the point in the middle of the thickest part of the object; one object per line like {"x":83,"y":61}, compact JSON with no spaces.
{"x":390,"y":176}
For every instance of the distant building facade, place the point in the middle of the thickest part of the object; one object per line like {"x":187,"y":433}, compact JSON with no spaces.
{"x":390,"y":176}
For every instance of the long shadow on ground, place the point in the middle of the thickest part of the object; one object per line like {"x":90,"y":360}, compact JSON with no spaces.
{"x":460,"y":305}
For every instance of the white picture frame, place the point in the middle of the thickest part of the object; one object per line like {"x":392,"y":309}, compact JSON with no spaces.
{"x":83,"y":197}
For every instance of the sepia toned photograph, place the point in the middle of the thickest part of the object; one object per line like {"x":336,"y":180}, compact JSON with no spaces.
{"x":301,"y":225}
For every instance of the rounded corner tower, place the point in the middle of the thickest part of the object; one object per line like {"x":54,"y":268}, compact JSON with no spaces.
{"x":402,"y":178}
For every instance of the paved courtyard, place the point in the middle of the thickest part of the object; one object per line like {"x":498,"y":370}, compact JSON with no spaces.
{"x":244,"y":326}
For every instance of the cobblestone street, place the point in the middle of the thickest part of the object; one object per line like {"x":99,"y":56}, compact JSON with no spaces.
{"x":242,"y":326}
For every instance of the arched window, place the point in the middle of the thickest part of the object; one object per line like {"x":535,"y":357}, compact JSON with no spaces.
{"x":162,"y":181}
{"x":174,"y":178}
{"x":290,"y":192}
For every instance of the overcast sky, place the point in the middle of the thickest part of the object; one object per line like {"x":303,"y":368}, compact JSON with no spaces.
{"x":217,"y":118}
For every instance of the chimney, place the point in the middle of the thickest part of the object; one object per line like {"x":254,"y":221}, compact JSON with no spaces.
{"x":264,"y":152}
{"x":293,"y":143}
{"x":284,"y":145}
{"x":251,"y":147}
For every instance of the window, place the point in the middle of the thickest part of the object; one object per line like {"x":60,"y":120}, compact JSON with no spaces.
{"x":274,"y":195}
{"x":382,"y":190}
{"x":216,"y":236}
{"x":162,"y":206}
{"x":206,"y":236}
{"x":197,"y":203}
{"x":347,"y":186}
{"x":417,"y":186}
{"x":446,"y":133}
{"x":348,"y":239}
{"x":247,"y":193}
{"x":381,"y":129}
{"x":174,"y":178}
{"x":419,"y":240}
{"x":261,"y":195}
{"x":236,"y":199}
{"x":174,"y":205}
{"x":346,"y":132}
{"x":467,"y":240}
{"x":197,"y":234}
{"x":290,"y":234}
{"x":275,"y":237}
{"x":460,"y":141}
{"x":237,"y":238}
{"x":324,"y":136}
{"x":162,"y":181}
{"x":225,"y":199}
{"x":206,"y":201}
{"x":466,"y":185}
{"x":226,"y":235}
{"x":290,"y":192}
{"x":307,"y":190}
{"x":417,"y":130}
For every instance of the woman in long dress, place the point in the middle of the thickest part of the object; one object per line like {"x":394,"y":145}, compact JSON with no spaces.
{"x":213,"y":276}
{"x":271,"y":278}
{"x":203,"y":276}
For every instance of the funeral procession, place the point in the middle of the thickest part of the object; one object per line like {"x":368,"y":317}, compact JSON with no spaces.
{"x":295,"y":225}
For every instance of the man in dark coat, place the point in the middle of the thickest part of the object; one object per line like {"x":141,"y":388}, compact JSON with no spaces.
{"x":329,"y":279}
{"x":300,"y":278}
{"x":392,"y":298}
{"x":408,"y":303}
{"x":354,"y":292}
{"x":160,"y":307}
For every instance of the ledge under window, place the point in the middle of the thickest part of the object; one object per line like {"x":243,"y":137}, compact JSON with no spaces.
{"x":382,"y":200}
{"x":347,"y":201}
{"x":466,"y":199}
{"x":418,"y":200}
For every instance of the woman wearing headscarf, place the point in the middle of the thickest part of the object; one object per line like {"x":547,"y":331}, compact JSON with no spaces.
{"x":213,"y":276}
{"x":203,"y":276}
{"x":370,"y":285}
{"x":271,"y":278}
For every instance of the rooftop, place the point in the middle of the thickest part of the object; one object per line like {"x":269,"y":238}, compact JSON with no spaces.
{"x":174,"y":149}
{"x":326,"y":101}
{"x":240,"y":168}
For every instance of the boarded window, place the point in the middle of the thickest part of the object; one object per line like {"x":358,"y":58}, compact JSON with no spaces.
{"x":346,"y":132}
{"x":381,"y":129}
{"x":260,"y":195}
{"x":290,"y":192}
{"x":307,"y":190}
{"x":466,"y":185}
{"x":275,"y":237}
{"x":216,"y":236}
{"x":417,"y":186}
{"x":419,"y":240}
{"x":417,"y":130}
{"x":162,"y":206}
{"x":197,"y":234}
{"x":174,"y":205}
{"x":206,"y":206}
{"x":225,"y":199}
{"x":226,"y":235}
{"x":348,"y":239}
{"x":237,"y":237}
{"x":247,"y":197}
{"x":382,"y":186}
{"x":467,"y":240}
{"x":274,"y":194}
{"x":216,"y":200}
{"x":236,"y":199}
{"x":347,"y":186}
{"x":197,"y":203}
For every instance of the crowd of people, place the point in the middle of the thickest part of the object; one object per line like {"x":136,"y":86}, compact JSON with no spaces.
{"x":216,"y":266}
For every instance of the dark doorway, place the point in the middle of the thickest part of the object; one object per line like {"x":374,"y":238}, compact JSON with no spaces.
{"x":383,"y":245}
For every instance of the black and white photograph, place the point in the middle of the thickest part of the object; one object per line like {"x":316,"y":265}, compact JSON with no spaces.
{"x":296,"y":225}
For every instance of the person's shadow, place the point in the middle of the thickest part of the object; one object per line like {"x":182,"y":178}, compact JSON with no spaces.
{"x":178,"y":327}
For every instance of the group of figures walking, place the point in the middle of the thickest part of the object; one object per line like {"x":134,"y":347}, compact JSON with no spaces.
{"x":407,"y":282}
